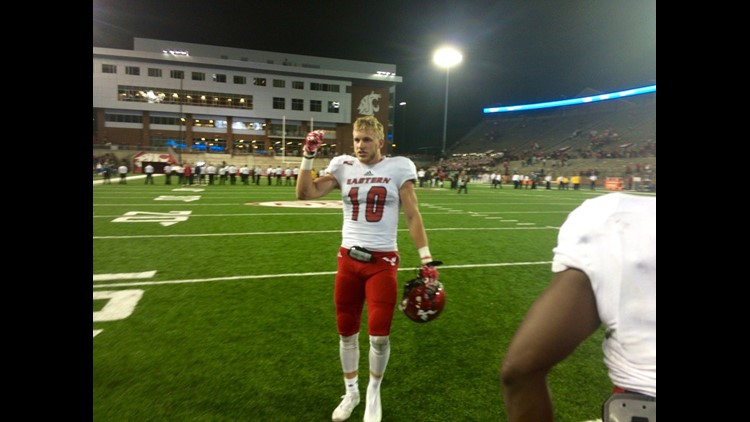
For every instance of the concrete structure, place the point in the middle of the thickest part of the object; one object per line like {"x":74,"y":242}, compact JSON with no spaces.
{"x":195,"y":97}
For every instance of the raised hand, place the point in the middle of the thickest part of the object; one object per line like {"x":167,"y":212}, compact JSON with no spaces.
{"x":313,"y":141}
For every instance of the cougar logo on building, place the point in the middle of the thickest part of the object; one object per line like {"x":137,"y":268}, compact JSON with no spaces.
{"x":367,"y":106}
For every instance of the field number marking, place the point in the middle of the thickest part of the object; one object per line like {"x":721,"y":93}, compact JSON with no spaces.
{"x":120,"y":305}
{"x":163,"y":218}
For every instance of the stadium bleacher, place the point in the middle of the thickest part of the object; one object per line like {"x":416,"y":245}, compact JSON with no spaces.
{"x":611,"y":137}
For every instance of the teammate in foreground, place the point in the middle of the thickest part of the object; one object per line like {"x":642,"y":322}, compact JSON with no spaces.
{"x":605,"y":274}
{"x":373,"y":189}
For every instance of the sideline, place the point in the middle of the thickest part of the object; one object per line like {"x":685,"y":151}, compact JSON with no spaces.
{"x":116,"y":178}
{"x":248,"y":277}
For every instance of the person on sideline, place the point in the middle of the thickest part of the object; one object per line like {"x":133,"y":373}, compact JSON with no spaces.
{"x":107,"y":174}
{"x":576,"y":181}
{"x":245,"y":174}
{"x":232,"y":173}
{"x":123,"y":172}
{"x":463,"y":182}
{"x":256,"y":174}
{"x":211,"y":172}
{"x":605,"y":275}
{"x":187,"y":174}
{"x":270,"y":173}
{"x":179,"y":170}
{"x":374,"y":188}
{"x":149,"y":170}
{"x":167,"y":174}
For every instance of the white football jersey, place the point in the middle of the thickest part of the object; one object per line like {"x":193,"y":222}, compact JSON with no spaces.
{"x":370,"y":195}
{"x":612,"y":238}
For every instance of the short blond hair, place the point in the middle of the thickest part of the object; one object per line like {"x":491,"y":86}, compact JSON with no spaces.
{"x":370,"y":123}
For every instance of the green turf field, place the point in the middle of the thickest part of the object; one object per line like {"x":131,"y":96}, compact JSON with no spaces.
{"x":215,"y":303}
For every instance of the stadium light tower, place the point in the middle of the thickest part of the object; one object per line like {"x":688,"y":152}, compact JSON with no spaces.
{"x":446,"y":57}
{"x":403,"y":132}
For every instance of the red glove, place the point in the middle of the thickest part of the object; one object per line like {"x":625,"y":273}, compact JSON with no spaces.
{"x":428,"y":274}
{"x":313,"y":141}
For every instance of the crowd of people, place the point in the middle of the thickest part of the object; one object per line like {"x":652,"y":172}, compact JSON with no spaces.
{"x":201,"y":173}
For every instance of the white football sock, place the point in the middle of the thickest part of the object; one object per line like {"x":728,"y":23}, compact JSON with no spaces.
{"x":380,"y":352}
{"x":349,"y":352}
{"x":352,"y":385}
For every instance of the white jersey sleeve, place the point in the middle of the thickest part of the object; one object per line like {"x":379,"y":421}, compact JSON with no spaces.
{"x":612,"y":238}
{"x":371,"y":200}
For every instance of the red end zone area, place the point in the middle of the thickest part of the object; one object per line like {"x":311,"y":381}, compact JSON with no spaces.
{"x":298,"y":204}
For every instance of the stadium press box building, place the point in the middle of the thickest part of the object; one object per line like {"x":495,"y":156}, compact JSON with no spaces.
{"x":195,"y":97}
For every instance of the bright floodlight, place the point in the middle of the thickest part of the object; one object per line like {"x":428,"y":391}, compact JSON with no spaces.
{"x":447,"y":57}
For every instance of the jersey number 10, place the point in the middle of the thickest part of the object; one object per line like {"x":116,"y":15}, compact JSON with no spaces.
{"x":374,"y":206}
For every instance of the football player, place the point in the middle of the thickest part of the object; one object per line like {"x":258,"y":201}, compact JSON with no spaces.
{"x":605,"y":275}
{"x":374,"y":189}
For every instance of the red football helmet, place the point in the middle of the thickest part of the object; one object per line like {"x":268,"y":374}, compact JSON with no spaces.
{"x":422,"y":302}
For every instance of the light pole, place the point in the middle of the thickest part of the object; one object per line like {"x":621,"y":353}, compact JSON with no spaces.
{"x":446,"y":57}
{"x":182,"y":119}
{"x":403,"y":132}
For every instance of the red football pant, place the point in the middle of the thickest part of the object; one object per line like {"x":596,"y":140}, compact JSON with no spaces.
{"x":375,"y":283}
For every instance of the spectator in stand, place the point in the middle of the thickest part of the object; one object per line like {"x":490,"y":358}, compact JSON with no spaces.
{"x":149,"y":171}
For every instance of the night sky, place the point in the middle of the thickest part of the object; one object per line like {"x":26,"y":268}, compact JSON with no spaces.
{"x":515,"y":51}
